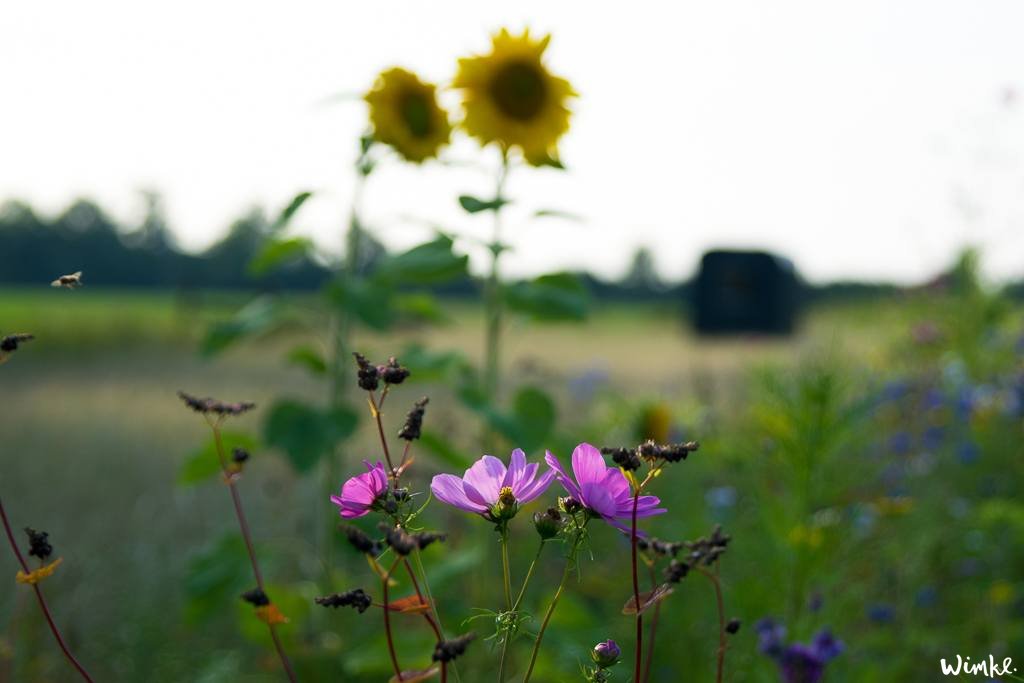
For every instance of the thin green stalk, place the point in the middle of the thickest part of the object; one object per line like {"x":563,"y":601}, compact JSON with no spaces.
{"x":529,"y":575}
{"x":507,"y":574}
{"x":493,"y":304}
{"x":569,"y":563}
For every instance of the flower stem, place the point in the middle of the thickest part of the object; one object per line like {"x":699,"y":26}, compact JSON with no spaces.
{"x":393,"y":473}
{"x":493,"y":308}
{"x":529,"y":574}
{"x":721,"y":620}
{"x":243,"y":525}
{"x":42,"y":601}
{"x":654,"y":628}
{"x":507,"y":574}
{"x":636,"y":594}
{"x":569,"y":562}
{"x":387,"y":619}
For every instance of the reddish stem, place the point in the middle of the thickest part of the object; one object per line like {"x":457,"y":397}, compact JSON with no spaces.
{"x":42,"y":601}
{"x":636,"y":594}
{"x":383,"y":439}
{"x":722,"y":645}
{"x":243,"y":525}
{"x":654,"y":629}
{"x":387,"y":620}
{"x":426,"y":615}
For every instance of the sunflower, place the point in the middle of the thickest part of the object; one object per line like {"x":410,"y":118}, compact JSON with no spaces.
{"x":510,"y":97}
{"x":405,"y":114}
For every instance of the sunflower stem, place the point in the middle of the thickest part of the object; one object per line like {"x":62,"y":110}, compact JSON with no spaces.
{"x":493,"y":305}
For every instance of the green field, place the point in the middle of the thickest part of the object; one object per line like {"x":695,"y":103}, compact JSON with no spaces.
{"x":93,"y":439}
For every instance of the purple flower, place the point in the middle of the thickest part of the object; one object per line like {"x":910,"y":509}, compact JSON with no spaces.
{"x":798,"y":662}
{"x":359,"y":493}
{"x":601,"y":489}
{"x":489,"y":489}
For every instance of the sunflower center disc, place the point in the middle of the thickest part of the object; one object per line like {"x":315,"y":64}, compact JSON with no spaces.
{"x":416,"y":114}
{"x":519,"y":90}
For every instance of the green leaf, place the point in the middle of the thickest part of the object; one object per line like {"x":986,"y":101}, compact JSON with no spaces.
{"x":473,"y":204}
{"x":534,"y":417}
{"x":433,"y":366}
{"x":306,"y":433}
{"x":368,"y":301}
{"x":276,"y":252}
{"x":203,"y":463}
{"x":558,"y":213}
{"x":426,"y":264}
{"x":442,"y":449}
{"x":309,"y":358}
{"x":420,"y":307}
{"x":215,"y":577}
{"x":557,"y":296}
{"x":258,"y":316}
{"x":286,"y":214}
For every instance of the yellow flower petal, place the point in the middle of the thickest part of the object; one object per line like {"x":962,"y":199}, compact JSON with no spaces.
{"x":37,"y":575}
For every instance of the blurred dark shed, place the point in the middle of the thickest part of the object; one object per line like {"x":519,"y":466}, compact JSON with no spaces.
{"x":745,"y":292}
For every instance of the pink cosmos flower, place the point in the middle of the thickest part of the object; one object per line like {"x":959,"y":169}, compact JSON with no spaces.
{"x":488,"y":482}
{"x":602,"y":490}
{"x":359,"y":493}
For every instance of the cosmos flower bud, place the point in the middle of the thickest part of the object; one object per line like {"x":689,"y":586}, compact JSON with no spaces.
{"x":569,"y":504}
{"x":239,"y":456}
{"x":548,"y":523}
{"x":606,"y":654}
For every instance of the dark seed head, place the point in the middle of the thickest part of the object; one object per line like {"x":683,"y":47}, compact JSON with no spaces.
{"x":447,"y":650}
{"x":414,"y":421}
{"x":239,"y":456}
{"x":256,"y":597}
{"x":367,"y":373}
{"x":212,"y":405}
{"x":361,"y":541}
{"x":393,"y":372}
{"x":356,"y":598}
{"x":733,"y":626}
{"x":38,"y":543}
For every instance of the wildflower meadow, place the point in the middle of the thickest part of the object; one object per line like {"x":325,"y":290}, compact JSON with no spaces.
{"x":416,"y":465}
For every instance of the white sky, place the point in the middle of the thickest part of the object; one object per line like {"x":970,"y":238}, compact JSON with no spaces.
{"x":865,"y":139}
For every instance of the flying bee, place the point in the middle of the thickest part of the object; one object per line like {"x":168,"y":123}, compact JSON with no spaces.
{"x":72,"y":281}
{"x":9,"y":345}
